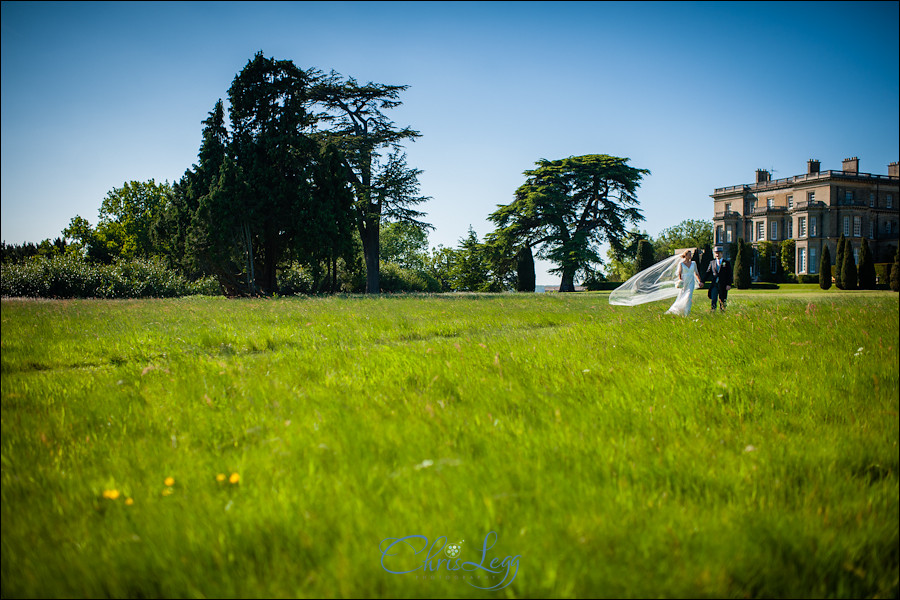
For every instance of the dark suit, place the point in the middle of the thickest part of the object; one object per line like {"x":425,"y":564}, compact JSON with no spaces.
{"x":720,"y":277}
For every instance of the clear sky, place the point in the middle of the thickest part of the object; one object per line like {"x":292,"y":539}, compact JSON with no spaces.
{"x":701,"y":94}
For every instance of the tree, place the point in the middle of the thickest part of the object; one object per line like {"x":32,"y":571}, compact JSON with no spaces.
{"x":788,"y":255}
{"x":764,"y":251}
{"x":440,"y":266}
{"x":848,"y":269}
{"x":689,"y":233}
{"x":383,"y":186}
{"x":645,"y":256}
{"x":568,"y":207}
{"x":525,"y":275}
{"x":127,"y":215}
{"x":895,"y":272}
{"x":405,"y":244}
{"x":742,"y":266}
{"x":469,"y":271}
{"x":705,"y":259}
{"x":839,"y":263}
{"x":825,"y":269}
{"x":867,"y":274}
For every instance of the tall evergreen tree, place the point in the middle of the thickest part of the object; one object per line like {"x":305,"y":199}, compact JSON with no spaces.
{"x":705,"y":259}
{"x":742,"y":265}
{"x":848,"y":269}
{"x":384,"y":186}
{"x":867,"y":274}
{"x":525,"y":275}
{"x":645,"y":257}
{"x":895,"y":272}
{"x":825,"y":269}
{"x":839,"y":263}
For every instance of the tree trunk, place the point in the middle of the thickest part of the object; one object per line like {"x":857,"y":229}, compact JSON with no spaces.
{"x":568,"y":279}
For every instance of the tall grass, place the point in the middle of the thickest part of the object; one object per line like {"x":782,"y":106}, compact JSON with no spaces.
{"x":614,"y":451}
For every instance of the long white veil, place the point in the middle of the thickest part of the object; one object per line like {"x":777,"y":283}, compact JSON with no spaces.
{"x":653,"y":283}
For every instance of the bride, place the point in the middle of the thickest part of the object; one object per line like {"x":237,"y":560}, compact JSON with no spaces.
{"x":687,"y":275}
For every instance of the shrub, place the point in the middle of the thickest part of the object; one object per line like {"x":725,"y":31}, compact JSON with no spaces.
{"x":742,"y":266}
{"x":825,"y":269}
{"x":396,"y":279}
{"x":895,"y":272}
{"x":848,"y":269}
{"x":866,"y":267}
{"x":69,"y":276}
{"x":839,"y":263}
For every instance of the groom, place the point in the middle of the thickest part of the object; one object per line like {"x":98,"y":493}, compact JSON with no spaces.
{"x":719,"y":275}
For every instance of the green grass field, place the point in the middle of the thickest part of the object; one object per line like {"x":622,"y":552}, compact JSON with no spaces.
{"x":205,"y":447}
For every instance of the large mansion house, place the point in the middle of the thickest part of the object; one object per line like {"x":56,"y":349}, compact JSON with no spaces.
{"x":814,"y":209}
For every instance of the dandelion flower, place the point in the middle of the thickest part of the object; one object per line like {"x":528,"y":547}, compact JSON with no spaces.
{"x":167,"y":492}
{"x":234,"y":478}
{"x":220,"y":477}
{"x":111,"y":494}
{"x":170,"y":481}
{"x":129,"y":501}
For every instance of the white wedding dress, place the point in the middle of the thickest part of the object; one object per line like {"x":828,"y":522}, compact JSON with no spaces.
{"x":682,"y":304}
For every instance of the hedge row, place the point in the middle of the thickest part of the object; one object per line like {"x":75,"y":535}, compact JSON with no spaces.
{"x":72,"y":277}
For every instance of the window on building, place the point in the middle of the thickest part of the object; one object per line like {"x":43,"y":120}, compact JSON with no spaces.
{"x":801,"y":260}
{"x":728,"y":207}
{"x":857,"y":226}
{"x":790,"y":228}
{"x":801,"y":227}
{"x":872,"y":229}
{"x":848,"y":196}
{"x":773,"y":230}
{"x":718,"y":235}
{"x":871,"y":199}
{"x":890,"y":201}
{"x":813,"y":265}
{"x":729,"y":234}
{"x":773,"y":263}
{"x":760,"y":231}
{"x":887,"y":227}
{"x":790,"y":202}
{"x":856,"y":256}
{"x":846,"y":226}
{"x":810,"y":197}
{"x":770,"y":202}
{"x":812,"y":227}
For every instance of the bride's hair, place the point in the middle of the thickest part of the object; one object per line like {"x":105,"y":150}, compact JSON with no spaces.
{"x":685,"y":253}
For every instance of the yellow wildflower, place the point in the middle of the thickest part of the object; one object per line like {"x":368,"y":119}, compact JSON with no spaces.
{"x":111,"y":494}
{"x":220,"y":477}
{"x":129,"y":501}
{"x":234,"y":478}
{"x":170,"y":481}
{"x":167,"y":492}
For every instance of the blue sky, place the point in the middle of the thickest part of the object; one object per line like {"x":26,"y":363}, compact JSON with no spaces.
{"x":701,"y":94}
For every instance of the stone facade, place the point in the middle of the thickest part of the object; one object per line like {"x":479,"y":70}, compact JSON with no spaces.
{"x":813,"y":209}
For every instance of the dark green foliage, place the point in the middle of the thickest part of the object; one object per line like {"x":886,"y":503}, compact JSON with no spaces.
{"x":73,"y":277}
{"x":645,"y":256}
{"x":395,"y":279}
{"x":690,"y":233}
{"x":526,"y":279}
{"x":825,"y":269}
{"x":742,"y":265}
{"x":705,"y":258}
{"x":849,"y":275}
{"x":470,"y":271}
{"x":866,"y":267}
{"x":568,"y":207}
{"x":839,"y":263}
{"x":895,"y":272}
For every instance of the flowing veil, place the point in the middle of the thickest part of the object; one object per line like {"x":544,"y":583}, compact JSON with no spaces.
{"x":653,"y":283}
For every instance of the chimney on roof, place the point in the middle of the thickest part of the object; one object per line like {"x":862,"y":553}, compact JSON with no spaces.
{"x":762,"y":176}
{"x":894,"y":169}
{"x":851,"y":165}
{"x":812,"y":167}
